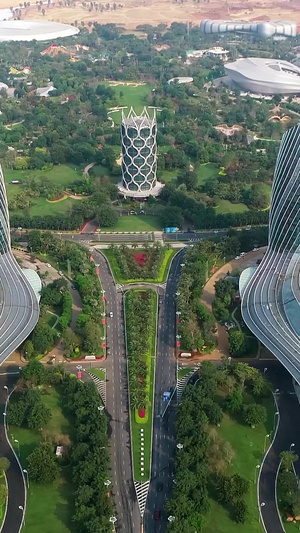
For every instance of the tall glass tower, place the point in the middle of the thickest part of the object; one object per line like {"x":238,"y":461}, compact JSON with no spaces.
{"x":139,"y":154}
{"x":19,"y":307}
{"x":271,"y":293}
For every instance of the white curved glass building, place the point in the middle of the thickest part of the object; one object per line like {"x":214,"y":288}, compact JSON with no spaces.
{"x":139,"y":154}
{"x":38,"y":30}
{"x":19,"y":308}
{"x":271,"y":299}
{"x":265,"y":76}
{"x":263,"y":29}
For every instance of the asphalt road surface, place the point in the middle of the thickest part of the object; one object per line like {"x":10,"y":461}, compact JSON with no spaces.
{"x":117,"y":406}
{"x":164,"y":445}
{"x":15,"y":480}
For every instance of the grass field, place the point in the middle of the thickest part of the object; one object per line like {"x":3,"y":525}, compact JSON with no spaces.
{"x":49,"y":507}
{"x":248,"y":446}
{"x":132,"y":96}
{"x":146,"y":426}
{"x":162,"y":275}
{"x":59,"y":174}
{"x":227,"y":207}
{"x":207,"y":171}
{"x":62,"y":175}
{"x":136,"y":223}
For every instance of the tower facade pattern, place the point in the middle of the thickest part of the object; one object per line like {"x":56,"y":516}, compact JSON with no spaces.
{"x":19,"y":308}
{"x":139,"y":151}
{"x":271,"y":299}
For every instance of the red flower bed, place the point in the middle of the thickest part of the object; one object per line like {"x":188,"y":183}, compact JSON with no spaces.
{"x":140,"y":259}
{"x":142,"y":413}
{"x":56,"y":198}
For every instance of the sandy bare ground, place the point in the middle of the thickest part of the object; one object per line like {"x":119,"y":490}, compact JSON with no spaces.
{"x":137,"y":12}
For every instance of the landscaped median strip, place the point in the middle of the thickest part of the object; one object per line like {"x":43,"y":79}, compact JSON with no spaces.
{"x":141,"y":325}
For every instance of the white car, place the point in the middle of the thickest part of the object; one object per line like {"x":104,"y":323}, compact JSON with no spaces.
{"x":111,"y":314}
{"x":255,"y":249}
{"x":243,"y":253}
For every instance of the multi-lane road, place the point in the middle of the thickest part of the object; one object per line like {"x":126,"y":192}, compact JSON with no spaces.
{"x":117,"y":403}
{"x":164,"y":419}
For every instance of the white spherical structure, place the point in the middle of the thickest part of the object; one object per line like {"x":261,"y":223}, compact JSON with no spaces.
{"x":29,"y":30}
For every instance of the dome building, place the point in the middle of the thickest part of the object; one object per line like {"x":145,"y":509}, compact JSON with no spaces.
{"x":139,"y":155}
{"x":265,"y":76}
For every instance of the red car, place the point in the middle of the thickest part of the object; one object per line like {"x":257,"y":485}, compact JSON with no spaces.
{"x":157,"y":514}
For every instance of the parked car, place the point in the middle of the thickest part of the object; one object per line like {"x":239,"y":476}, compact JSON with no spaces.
{"x":111,"y":314}
{"x":157,"y":514}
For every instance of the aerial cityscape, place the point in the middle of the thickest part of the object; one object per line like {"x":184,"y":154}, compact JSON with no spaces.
{"x":149,"y":267}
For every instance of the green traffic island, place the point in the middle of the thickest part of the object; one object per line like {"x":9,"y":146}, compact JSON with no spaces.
{"x":141,"y":326}
{"x":61,"y":440}
{"x":288,"y":493}
{"x":98,"y":373}
{"x":224,"y":425}
{"x":148,"y":264}
{"x":184,"y":371}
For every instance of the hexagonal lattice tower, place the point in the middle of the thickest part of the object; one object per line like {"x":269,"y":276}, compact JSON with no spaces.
{"x":139,"y":154}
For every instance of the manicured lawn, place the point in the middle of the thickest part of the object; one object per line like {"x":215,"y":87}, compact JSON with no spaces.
{"x":227,"y":207}
{"x":132,"y":96}
{"x":136,"y":426}
{"x":98,"y":373}
{"x":167,"y":175}
{"x":60,"y":175}
{"x":136,"y":223}
{"x":162,"y":275}
{"x":248,"y":446}
{"x":207,"y":171}
{"x":49,"y":507}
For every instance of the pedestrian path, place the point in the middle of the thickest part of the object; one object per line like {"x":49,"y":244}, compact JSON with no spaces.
{"x":141,"y":489}
{"x":101,"y":385}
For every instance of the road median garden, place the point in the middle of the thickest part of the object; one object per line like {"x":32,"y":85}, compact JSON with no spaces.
{"x":141,"y":326}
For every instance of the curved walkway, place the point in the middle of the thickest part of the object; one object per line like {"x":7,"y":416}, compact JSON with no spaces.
{"x":287,"y":432}
{"x":13,"y":520}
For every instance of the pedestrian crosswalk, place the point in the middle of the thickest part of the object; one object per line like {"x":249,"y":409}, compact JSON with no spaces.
{"x":142,"y":489}
{"x":182,"y":383}
{"x":101,"y":385}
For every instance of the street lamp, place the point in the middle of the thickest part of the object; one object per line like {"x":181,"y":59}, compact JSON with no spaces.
{"x":171,"y":518}
{"x":16,"y":440}
{"x":178,"y":313}
{"x":100,"y":408}
{"x":276,"y":391}
{"x":177,"y":293}
{"x":182,"y":265}
{"x":256,"y":470}
{"x":6,"y":388}
{"x":112,"y":519}
{"x":27,"y":476}
{"x":292,"y":446}
{"x":179,"y":446}
{"x":265,"y":370}
{"x":107,"y":483}
{"x":178,"y":336}
{"x":266,"y":437}
{"x":23,"y":519}
{"x":275,"y":414}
